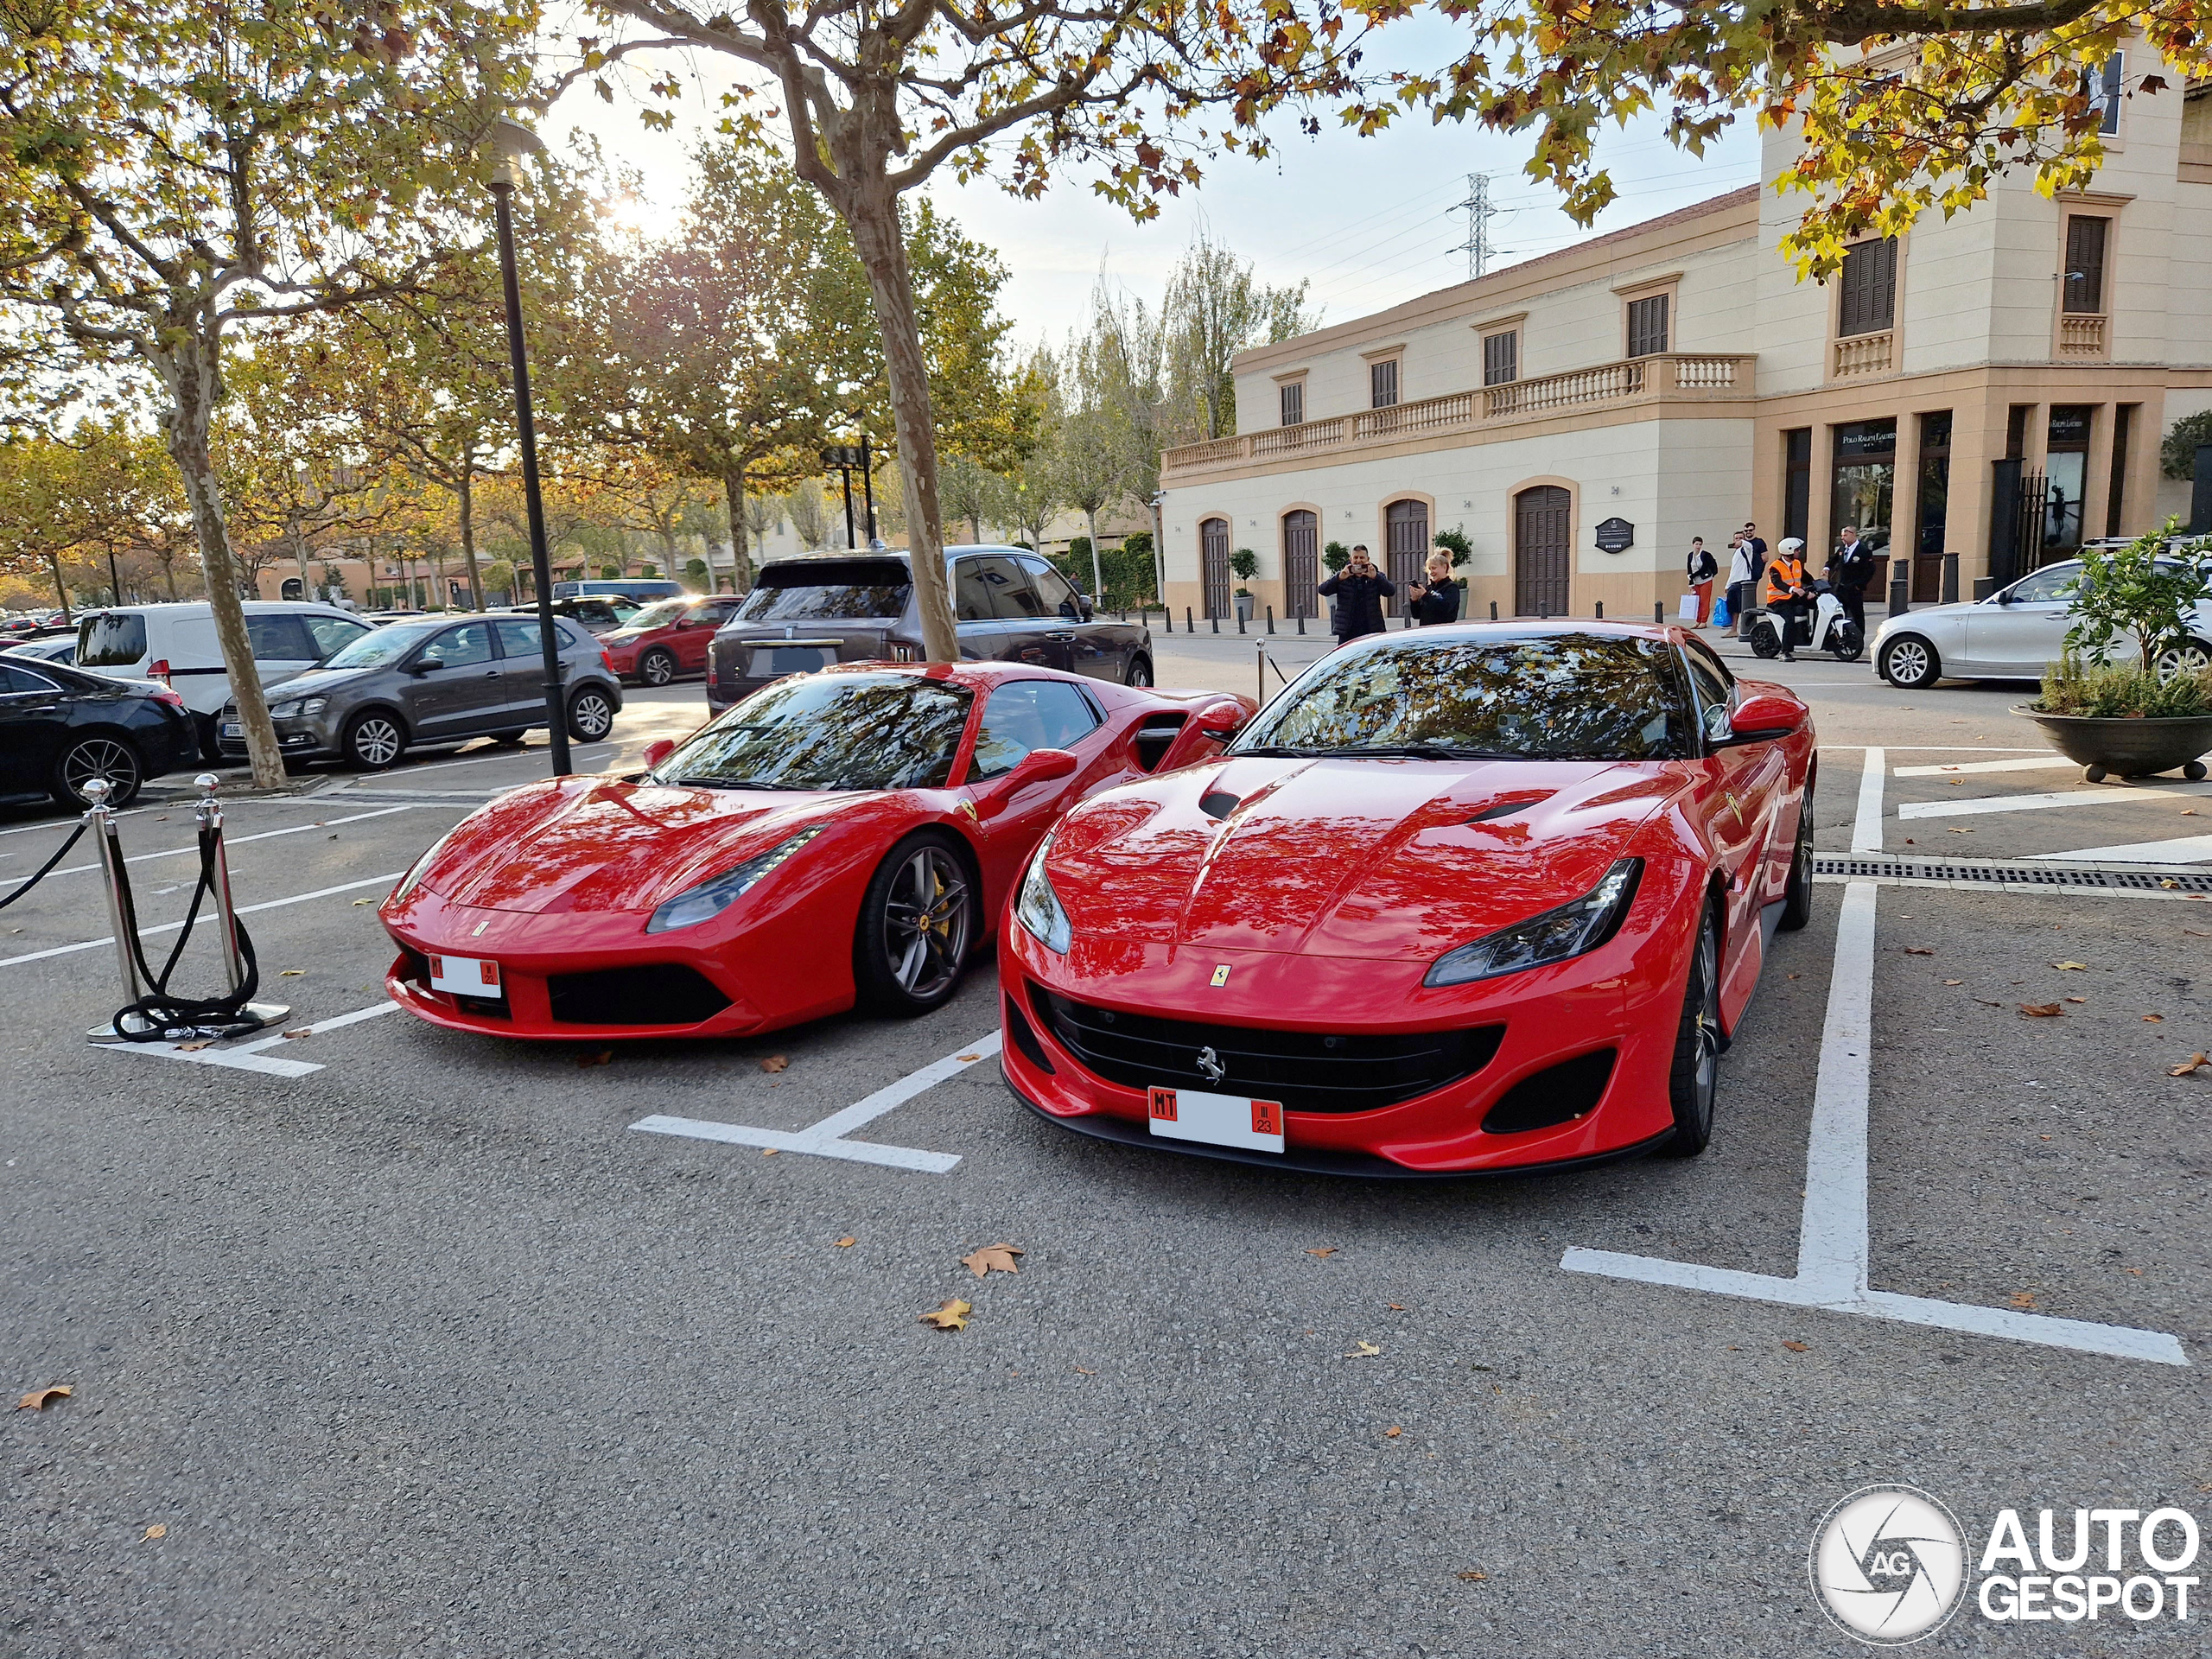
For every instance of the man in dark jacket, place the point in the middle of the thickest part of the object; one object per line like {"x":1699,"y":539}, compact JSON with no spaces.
{"x":1851,"y":566}
{"x":1355,"y":595}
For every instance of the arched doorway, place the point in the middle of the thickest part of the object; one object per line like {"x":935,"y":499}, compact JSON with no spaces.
{"x":1213,"y":564}
{"x":1541,"y":550}
{"x":1407,"y":524}
{"x":1301,"y":564}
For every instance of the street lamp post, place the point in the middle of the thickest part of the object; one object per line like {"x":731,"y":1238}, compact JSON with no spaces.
{"x":514,"y":139}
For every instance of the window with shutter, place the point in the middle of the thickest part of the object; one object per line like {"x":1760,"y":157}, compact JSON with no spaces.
{"x":1869,"y":294}
{"x":2085,"y":263}
{"x":1646,"y":326}
{"x":1293,"y":403}
{"x":1501,"y":358}
{"x":1382,"y":384}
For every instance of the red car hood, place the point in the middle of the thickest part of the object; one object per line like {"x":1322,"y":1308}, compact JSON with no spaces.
{"x":605,"y":844}
{"x":1390,"y":859}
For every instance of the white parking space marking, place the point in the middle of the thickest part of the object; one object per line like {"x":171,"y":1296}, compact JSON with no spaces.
{"x":250,"y":1056}
{"x":1833,"y":1250}
{"x":243,"y":910}
{"x":2186,"y":849}
{"x":827,"y":1139}
{"x":230,"y":840}
{"x":1866,"y":829}
{"x":2088,"y":795}
{"x":2054,"y":763}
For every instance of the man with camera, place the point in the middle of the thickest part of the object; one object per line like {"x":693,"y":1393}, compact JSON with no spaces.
{"x":1355,"y":595}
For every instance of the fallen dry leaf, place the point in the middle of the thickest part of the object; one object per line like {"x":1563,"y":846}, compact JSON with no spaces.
{"x":1919,"y":950}
{"x":2041,"y":1010}
{"x":1797,"y":1347}
{"x":1332,"y":1251}
{"x":953,"y":1316}
{"x":157,"y":1530}
{"x":2154,"y":1019}
{"x":776,"y":1063}
{"x":2070,"y":967}
{"x":847,"y":1242}
{"x":1473,"y":1578}
{"x":357,"y":903}
{"x":967,"y":1059}
{"x":195,"y":1044}
{"x":1955,"y":982}
{"x":1957,"y":831}
{"x":595,"y":1057}
{"x":293,"y":973}
{"x":770,"y":1152}
{"x":2170,"y":884}
{"x":2023,"y":1299}
{"x":301,"y":1031}
{"x":1392,"y":1433}
{"x":2191,"y":1066}
{"x":1364,"y":1350}
{"x":1395,"y":1307}
{"x":1079,"y":1371}
{"x":2077,"y":999}
{"x":998,"y":1257}
{"x":39,"y":1399}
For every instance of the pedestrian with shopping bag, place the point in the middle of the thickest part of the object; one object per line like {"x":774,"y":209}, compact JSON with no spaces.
{"x":1702,"y":567}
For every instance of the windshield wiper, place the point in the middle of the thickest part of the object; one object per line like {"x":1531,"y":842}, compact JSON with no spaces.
{"x":1428,"y":751}
{"x":1278,"y":751}
{"x":745,"y":783}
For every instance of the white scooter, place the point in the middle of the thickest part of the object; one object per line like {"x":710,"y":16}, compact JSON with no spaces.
{"x":1832,"y":631}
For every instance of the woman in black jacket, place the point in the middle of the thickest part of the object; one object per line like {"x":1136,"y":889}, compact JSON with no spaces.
{"x":1437,"y":600}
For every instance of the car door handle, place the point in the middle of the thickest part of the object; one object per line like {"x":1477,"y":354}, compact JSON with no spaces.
{"x":1069,"y":635}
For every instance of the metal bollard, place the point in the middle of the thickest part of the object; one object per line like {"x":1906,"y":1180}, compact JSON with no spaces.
{"x":1214,"y":622}
{"x":1240,"y":619}
{"x":1301,"y":625}
{"x":1189,"y":627}
{"x":1658,"y":613}
{"x":1900,"y":588}
{"x":1271,"y":619}
{"x":208,"y":816}
{"x":1493,"y":610}
{"x":1601,"y":610}
{"x":1261,"y":662}
{"x":1950,"y":578}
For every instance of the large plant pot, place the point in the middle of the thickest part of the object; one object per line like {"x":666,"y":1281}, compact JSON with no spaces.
{"x":2128,"y":748}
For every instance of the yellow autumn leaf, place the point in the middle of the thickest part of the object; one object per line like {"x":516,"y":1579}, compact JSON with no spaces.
{"x":952,"y":1316}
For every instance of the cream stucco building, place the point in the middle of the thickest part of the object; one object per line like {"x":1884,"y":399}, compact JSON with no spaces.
{"x":1994,"y":386}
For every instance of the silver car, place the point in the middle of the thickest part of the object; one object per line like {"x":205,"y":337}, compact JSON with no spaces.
{"x":409,"y":685}
{"x":2014,"y":634}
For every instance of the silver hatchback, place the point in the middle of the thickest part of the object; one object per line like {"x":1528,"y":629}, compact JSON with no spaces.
{"x":411,"y":685}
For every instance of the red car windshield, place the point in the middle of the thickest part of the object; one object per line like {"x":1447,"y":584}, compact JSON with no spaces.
{"x":1543,"y":696}
{"x":659,"y":614}
{"x":842,"y":731}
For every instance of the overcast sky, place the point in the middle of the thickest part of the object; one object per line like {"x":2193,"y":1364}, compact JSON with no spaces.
{"x":1366,"y":222}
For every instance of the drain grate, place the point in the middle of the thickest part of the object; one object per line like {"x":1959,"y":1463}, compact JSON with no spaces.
{"x":2148,"y":878}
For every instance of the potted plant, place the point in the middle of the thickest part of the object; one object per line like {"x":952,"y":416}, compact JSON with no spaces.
{"x":2127,"y":718}
{"x":1246,"y":563}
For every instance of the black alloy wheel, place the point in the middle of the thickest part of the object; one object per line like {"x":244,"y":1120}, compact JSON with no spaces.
{"x":1797,"y":897}
{"x":1766,"y":641}
{"x":373,"y":740}
{"x":1140,"y":672}
{"x":112,"y":758}
{"x":1910,"y":662}
{"x":916,"y":927}
{"x":658,"y":668}
{"x":1693,"y":1079}
{"x":591,"y":715}
{"x":1846,"y":643}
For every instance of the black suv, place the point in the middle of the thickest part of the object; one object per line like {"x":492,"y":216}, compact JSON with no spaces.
{"x":804,"y":613}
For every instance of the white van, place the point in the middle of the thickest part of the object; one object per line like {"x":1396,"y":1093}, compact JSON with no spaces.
{"x":176,"y":646}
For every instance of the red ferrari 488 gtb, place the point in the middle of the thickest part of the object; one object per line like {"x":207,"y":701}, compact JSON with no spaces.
{"x":1471,"y":899}
{"x":840,"y":836}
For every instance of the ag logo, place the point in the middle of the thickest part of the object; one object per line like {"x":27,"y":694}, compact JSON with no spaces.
{"x":1888,"y":1565}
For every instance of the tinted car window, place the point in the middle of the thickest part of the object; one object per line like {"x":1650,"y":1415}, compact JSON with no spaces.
{"x":1059,"y":598}
{"x":1542,"y":696}
{"x":1016,"y":583}
{"x":1029,"y":715}
{"x":842,"y":731}
{"x":827,"y":590}
{"x":14,"y":680}
{"x":518,"y":637}
{"x":381,"y":647}
{"x":1710,"y":681}
{"x":109,"y":641}
{"x":2046,"y":586}
{"x":463,"y":647}
{"x":280,"y":638}
{"x":975,"y":595}
{"x":332,"y":633}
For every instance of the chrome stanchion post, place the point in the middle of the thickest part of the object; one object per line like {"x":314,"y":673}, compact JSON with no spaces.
{"x":1261,"y":642}
{"x":101,"y":818}
{"x":208,"y":816}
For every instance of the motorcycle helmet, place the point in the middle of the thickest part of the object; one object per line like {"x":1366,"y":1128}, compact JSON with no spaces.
{"x":1790,"y":544}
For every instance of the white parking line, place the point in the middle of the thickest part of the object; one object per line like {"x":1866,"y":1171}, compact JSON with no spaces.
{"x":250,"y":1056}
{"x":241,"y":840}
{"x":1832,"y":1248}
{"x":2052,"y":763}
{"x":827,"y":1139}
{"x":2088,"y":795}
{"x":2185,"y":849}
{"x":1866,"y":829}
{"x":243,"y":910}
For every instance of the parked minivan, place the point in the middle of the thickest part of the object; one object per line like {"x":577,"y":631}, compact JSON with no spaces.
{"x":644,"y":589}
{"x":176,"y":646}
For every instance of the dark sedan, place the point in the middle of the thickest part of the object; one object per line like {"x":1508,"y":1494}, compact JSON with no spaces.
{"x":60,"y":727}
{"x":1011,"y":605}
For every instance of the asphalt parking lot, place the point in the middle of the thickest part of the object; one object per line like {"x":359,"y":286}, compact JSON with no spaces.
{"x":414,"y":1342}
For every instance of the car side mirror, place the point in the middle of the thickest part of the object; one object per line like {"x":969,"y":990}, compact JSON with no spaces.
{"x":1038,"y":767}
{"x":1223,"y":722}
{"x":1084,"y":606}
{"x":657,"y":751}
{"x":427,"y":665}
{"x":1760,"y":717}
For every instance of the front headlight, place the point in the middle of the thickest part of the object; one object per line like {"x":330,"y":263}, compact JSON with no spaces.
{"x":1555,"y":936}
{"x":283,"y":710}
{"x":710,"y":898}
{"x":315,"y":705}
{"x":1039,"y":910}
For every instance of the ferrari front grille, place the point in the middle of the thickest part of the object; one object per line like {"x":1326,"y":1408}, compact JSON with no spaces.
{"x":1306,"y":1070}
{"x":1558,"y":1094}
{"x":655,"y":994}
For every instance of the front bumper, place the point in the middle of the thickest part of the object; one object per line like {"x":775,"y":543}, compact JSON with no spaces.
{"x":311,"y":737}
{"x":1625,"y":996}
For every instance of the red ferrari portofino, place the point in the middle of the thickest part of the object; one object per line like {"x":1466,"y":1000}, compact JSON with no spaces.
{"x":840,"y":836}
{"x":1471,"y":899}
